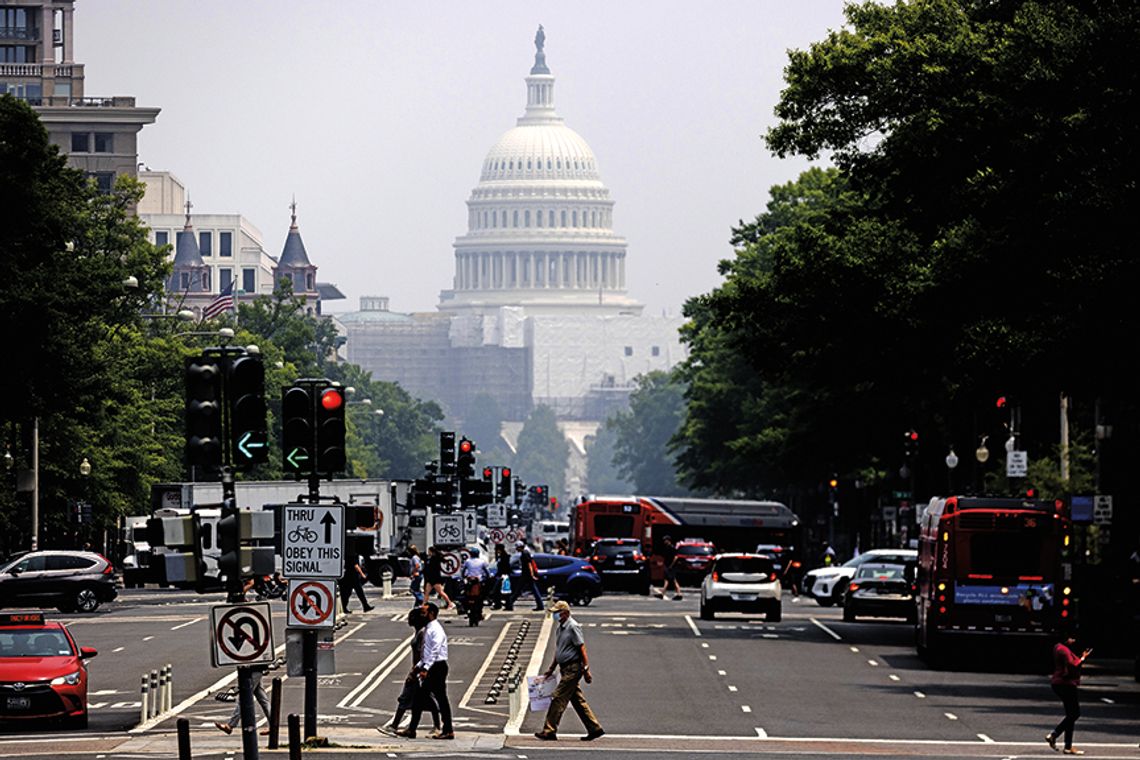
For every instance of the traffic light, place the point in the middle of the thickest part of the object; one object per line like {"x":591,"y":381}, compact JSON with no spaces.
{"x":503,"y":491}
{"x":176,"y":549}
{"x":249,"y":438}
{"x":297,"y":435}
{"x":203,"y":412}
{"x":488,"y":474}
{"x":447,"y":454}
{"x":235,"y":528}
{"x":833,"y":489}
{"x":330,"y":431}
{"x":910,"y":443}
{"x":466,"y":458}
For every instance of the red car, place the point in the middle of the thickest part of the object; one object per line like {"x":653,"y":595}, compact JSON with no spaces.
{"x":694,"y":557}
{"x":43,"y":673}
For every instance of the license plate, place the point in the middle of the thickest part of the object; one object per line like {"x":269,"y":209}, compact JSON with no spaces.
{"x":619,"y":561}
{"x":743,"y":597}
{"x":19,"y":703}
{"x":1003,"y":618}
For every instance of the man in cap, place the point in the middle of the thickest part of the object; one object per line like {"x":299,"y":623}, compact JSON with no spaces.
{"x":574,"y":665}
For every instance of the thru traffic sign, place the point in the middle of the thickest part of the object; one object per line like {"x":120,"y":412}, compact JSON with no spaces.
{"x":313,"y":541}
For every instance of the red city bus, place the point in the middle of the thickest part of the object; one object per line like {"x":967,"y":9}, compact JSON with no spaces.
{"x":732,"y":526}
{"x":993,"y":567}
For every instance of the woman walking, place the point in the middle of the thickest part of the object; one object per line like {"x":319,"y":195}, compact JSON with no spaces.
{"x":1066,"y":678}
{"x":433,"y":576}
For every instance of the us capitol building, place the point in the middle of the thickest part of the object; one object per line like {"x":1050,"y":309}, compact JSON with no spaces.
{"x":538,"y":312}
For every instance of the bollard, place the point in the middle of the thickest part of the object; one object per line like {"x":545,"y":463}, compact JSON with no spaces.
{"x":386,"y":583}
{"x":294,"y":736}
{"x":163,"y":687}
{"x":515,"y":699}
{"x":169,"y":704}
{"x":184,"y":740}
{"x":144,"y":708}
{"x":274,"y":714}
{"x":154,"y":695}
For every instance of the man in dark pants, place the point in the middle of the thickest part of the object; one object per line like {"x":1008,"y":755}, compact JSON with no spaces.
{"x":432,"y":673}
{"x":1065,"y":680}
{"x":353,"y":580}
{"x":528,"y":581}
{"x":573,"y":663}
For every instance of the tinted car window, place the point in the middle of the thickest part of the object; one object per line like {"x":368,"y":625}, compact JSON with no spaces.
{"x":889,"y":572}
{"x":696,"y":551}
{"x":605,"y":549}
{"x":69,"y":562}
{"x":749,"y":565}
{"x":31,"y":564}
{"x":33,"y":643}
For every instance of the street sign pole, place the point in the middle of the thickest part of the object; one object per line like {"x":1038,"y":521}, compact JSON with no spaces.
{"x":309,"y":638}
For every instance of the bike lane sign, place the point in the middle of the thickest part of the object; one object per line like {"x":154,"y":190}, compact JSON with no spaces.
{"x":242,"y":634}
{"x":448,"y":529}
{"x":311,"y":604}
{"x":313,"y":541}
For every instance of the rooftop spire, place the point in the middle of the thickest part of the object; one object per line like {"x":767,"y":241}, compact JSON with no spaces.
{"x":539,"y":53}
{"x":293,"y":208}
{"x":189,"y":206}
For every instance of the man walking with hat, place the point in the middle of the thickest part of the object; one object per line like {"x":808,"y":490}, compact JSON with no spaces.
{"x":574,"y":665}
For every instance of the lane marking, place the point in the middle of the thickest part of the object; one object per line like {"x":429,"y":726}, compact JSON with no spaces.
{"x":369,"y":683}
{"x":117,"y":649}
{"x":761,"y":733}
{"x":826,"y":630}
{"x":985,"y":739}
{"x":722,"y":673}
{"x":183,"y":625}
{"x":712,"y":657}
{"x":920,"y":695}
{"x":689,"y":620}
{"x":893,"y":677}
{"x":745,"y":708}
{"x":704,"y":645}
{"x":732,"y":688}
{"x":855,"y":650}
{"x":1107,"y":701}
{"x":486,"y":664}
{"x":951,"y":716}
{"x":873,"y":663}
{"x":147,"y":638}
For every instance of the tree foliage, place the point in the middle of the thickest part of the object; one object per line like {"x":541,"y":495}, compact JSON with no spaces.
{"x":602,"y":476}
{"x":645,"y":431}
{"x":542,"y":451}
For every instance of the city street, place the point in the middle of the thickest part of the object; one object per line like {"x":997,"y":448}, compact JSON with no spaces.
{"x":665,"y":681}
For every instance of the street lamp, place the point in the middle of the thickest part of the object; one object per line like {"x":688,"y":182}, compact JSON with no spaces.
{"x":85,"y":467}
{"x":951,"y":463}
{"x":982,"y":454}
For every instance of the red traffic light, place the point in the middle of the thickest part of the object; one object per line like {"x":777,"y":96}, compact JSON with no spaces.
{"x":913,"y":435}
{"x":1031,"y":493}
{"x":487,"y":473}
{"x":539,"y":490}
{"x":332,"y":399}
{"x":1001,"y":402}
{"x":466,"y":446}
{"x":506,"y":472}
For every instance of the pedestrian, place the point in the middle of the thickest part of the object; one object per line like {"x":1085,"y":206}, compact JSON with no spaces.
{"x":256,"y":672}
{"x":1065,"y":680}
{"x":433,"y":576}
{"x":528,"y":580}
{"x":417,"y":619}
{"x":573,"y":665}
{"x":416,"y":574}
{"x":431,"y":672}
{"x":353,"y":580}
{"x":475,"y":573}
{"x":563,"y":547}
{"x":827,"y":555}
{"x":669,"y":560}
{"x":503,"y":581}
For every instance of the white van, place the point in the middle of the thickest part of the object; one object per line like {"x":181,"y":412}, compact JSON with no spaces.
{"x":551,"y":532}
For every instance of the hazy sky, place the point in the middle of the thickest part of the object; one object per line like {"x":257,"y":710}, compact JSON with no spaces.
{"x":377,"y":115}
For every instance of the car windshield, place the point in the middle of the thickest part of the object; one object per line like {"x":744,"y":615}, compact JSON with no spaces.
{"x":744,"y":565}
{"x":696,"y":551}
{"x":882,"y":572}
{"x":34,"y":643}
{"x":614,"y":549}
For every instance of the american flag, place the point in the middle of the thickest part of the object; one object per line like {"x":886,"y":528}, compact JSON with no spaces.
{"x":223,"y":303}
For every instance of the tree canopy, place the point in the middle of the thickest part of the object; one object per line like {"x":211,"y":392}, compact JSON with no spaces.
{"x":644,"y":433}
{"x":543,"y":451}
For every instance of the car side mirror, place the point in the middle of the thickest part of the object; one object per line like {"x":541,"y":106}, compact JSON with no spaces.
{"x":87,"y":653}
{"x":13,"y":571}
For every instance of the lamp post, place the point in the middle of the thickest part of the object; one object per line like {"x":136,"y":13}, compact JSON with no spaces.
{"x":951,"y":463}
{"x":85,"y":473}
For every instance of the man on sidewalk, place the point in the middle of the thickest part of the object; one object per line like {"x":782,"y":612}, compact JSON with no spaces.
{"x":573,"y":664}
{"x":432,"y":673}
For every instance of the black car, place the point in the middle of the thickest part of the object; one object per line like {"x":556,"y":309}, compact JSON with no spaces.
{"x":621,"y":562}
{"x":561,"y":577}
{"x":881,"y":590}
{"x":71,"y":581}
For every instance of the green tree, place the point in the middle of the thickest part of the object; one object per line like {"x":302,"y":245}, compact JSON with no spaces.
{"x":542,"y":451}
{"x":602,"y":476}
{"x":642,"y":451}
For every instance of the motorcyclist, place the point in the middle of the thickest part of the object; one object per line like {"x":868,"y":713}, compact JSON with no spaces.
{"x":475,"y":573}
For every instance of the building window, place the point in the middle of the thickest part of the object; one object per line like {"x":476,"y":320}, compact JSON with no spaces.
{"x":563,"y":217}
{"x":206,"y":280}
{"x":225,"y":244}
{"x":504,"y":218}
{"x":656,"y":350}
{"x":206,"y":243}
{"x":161,"y":238}
{"x":225,"y":277}
{"x":310,"y":285}
{"x":184,"y":281}
{"x":494,"y":220}
{"x":538,"y":218}
{"x":104,"y":181}
{"x":516,"y":218}
{"x":629,"y":350}
{"x":104,"y":142}
{"x":80,"y":142}
{"x":249,"y":280}
{"x":526,"y":215}
{"x":550,"y":218}
{"x":574,"y":218}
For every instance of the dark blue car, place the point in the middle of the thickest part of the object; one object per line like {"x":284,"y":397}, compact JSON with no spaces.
{"x":562,"y":577}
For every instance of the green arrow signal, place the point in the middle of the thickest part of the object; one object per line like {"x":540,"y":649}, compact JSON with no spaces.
{"x":296,"y":457}
{"x":244,"y":445}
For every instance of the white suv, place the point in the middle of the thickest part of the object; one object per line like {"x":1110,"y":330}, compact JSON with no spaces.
{"x":827,"y":585}
{"x":741,"y":583}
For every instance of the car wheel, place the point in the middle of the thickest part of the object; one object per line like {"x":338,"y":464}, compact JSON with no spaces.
{"x":706,"y":611}
{"x":580,"y":595}
{"x":848,"y":614}
{"x":86,"y":600}
{"x":839,"y":593}
{"x":775,"y":613}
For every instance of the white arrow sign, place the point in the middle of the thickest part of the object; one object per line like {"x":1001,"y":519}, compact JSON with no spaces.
{"x":313,"y":538}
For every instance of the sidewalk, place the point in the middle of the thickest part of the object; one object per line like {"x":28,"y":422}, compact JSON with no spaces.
{"x":165,"y":744}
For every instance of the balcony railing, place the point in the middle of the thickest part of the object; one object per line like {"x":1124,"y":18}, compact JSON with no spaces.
{"x":118,"y":101}
{"x":50,"y":70}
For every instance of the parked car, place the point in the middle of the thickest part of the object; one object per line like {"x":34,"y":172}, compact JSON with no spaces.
{"x":881,"y":590}
{"x":827,"y":585}
{"x":694,"y":557}
{"x":562,"y":577}
{"x":71,"y":581}
{"x":621,"y":562}
{"x":43,"y":672}
{"x":741,"y":583}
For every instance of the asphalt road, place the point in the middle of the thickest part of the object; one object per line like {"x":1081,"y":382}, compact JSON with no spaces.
{"x":665,"y":681}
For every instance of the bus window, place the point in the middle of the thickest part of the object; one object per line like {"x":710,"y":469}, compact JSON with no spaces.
{"x":1005,"y":554}
{"x":613,"y":526}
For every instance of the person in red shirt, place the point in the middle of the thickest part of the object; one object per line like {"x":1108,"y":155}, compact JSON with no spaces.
{"x":1065,"y":680}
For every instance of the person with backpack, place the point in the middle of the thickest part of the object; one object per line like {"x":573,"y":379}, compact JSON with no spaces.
{"x":528,"y":580}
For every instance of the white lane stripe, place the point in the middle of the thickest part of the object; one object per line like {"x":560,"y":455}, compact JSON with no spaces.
{"x":855,"y":650}
{"x":893,"y":677}
{"x":732,"y":688}
{"x":920,"y":695}
{"x":951,"y":716}
{"x":117,"y":649}
{"x":704,"y":645}
{"x":192,"y":622}
{"x":826,"y":630}
{"x":689,"y":620}
{"x":722,"y":672}
{"x":147,"y":638}
{"x":1107,"y":701}
{"x":985,"y":739}
{"x":745,"y":708}
{"x":712,"y":657}
{"x":761,"y":733}
{"x":351,"y":699}
{"x":873,"y":663}
{"x":486,"y":663}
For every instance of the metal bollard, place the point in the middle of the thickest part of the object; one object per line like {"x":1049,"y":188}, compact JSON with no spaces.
{"x":386,"y":584}
{"x":168,"y":704}
{"x":154,"y":695}
{"x":144,"y":708}
{"x":294,"y":736}
{"x":274,"y":714}
{"x":184,"y":740}
{"x":515,"y":698}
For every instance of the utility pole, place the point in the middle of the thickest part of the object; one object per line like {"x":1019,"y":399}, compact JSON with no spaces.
{"x":1064,"y":438}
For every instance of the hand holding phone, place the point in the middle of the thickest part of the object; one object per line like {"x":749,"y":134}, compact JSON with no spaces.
{"x":1085,"y":656}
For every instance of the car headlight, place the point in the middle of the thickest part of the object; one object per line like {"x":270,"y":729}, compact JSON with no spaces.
{"x":70,"y":679}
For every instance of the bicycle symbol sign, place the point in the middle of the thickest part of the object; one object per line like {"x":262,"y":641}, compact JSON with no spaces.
{"x":311,"y":604}
{"x":448,"y":529}
{"x":242,"y":634}
{"x":313,"y":541}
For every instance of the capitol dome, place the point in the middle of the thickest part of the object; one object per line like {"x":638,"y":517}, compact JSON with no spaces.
{"x":539,"y":223}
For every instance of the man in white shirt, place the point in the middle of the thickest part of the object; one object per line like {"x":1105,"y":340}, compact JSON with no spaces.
{"x":432,"y":673}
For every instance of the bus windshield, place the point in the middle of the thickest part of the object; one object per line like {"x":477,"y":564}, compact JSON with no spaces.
{"x":1003,"y":554}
